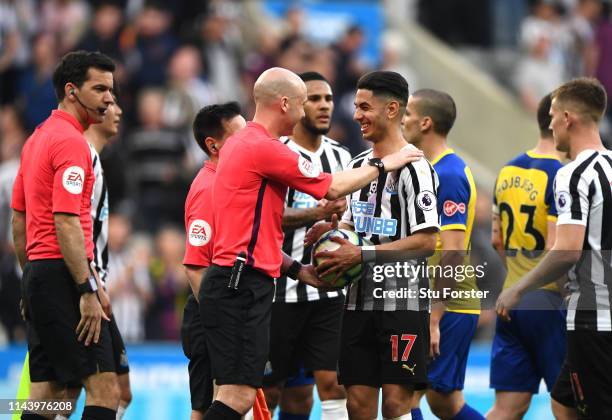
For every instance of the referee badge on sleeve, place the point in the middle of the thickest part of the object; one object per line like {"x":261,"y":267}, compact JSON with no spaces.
{"x":307,"y":168}
{"x":72,"y":179}
{"x":563,"y":200}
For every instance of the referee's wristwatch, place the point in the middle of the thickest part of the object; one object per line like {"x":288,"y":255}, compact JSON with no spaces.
{"x":90,"y":286}
{"x":378,"y":163}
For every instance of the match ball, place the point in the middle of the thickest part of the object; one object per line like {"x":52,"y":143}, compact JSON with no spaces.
{"x":326,"y":244}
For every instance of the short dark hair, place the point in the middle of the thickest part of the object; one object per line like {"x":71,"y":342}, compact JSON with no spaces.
{"x":385,"y":83}
{"x":544,"y":116}
{"x":209,"y":122}
{"x":308,"y":76}
{"x":587,"y":94}
{"x":439,"y":106}
{"x":73,"y":68}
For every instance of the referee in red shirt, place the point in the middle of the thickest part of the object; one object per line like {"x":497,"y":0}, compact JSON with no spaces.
{"x":255,"y":169}
{"x":68,"y":334}
{"x":212,"y":126}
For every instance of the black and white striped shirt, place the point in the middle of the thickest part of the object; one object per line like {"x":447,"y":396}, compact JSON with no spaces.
{"x":330,"y":157}
{"x":583,"y":196}
{"x":392,"y":207}
{"x":99,"y":214}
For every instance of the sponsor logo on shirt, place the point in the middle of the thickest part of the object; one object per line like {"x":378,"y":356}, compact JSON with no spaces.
{"x":391,"y":187}
{"x":199,"y":233}
{"x":73,"y":179}
{"x":564,"y":200}
{"x":426,"y":200}
{"x":365,"y":222}
{"x":307,"y":168}
{"x":450,"y":208}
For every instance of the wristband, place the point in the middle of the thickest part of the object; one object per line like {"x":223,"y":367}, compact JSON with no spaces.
{"x":294,"y":269}
{"x":368,"y":253}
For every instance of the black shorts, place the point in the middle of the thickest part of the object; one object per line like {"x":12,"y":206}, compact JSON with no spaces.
{"x":303,"y":334}
{"x":52,"y":302}
{"x":119,"y":354}
{"x":237,"y":325}
{"x":586,"y":372}
{"x":384,"y":347}
{"x":194,"y":347}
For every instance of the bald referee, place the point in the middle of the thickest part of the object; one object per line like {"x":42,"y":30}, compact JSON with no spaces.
{"x":68,"y":333}
{"x":583,"y":249}
{"x":255,"y":169}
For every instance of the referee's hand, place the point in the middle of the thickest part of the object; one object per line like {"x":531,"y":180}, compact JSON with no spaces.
{"x":91,"y":318}
{"x":318,"y":229}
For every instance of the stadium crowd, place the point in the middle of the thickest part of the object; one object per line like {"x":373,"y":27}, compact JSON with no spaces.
{"x":175,"y":57}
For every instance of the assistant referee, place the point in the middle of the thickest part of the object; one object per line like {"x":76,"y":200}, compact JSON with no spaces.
{"x":255,"y":169}
{"x":68,"y":333}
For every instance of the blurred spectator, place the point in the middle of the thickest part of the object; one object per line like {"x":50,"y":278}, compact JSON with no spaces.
{"x":187,"y":93}
{"x":9,"y":45}
{"x":582,"y":25}
{"x":393,"y":45}
{"x":36,"y":93}
{"x":129,"y":285}
{"x":603,"y":67}
{"x":537,"y":73}
{"x":154,"y":45}
{"x":105,"y":33}
{"x":170,"y":285}
{"x":12,"y":136}
{"x":222,"y":55}
{"x":156,"y":159}
{"x":67,"y":19}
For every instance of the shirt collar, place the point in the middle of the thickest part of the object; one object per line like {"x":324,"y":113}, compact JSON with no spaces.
{"x":63,"y":115}
{"x":437,"y":159}
{"x":211,"y":166}
{"x":259,"y":127}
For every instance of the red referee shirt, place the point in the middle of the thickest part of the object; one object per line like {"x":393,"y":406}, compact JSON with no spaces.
{"x":198,"y":218}
{"x":249,"y":192}
{"x":55,"y":176}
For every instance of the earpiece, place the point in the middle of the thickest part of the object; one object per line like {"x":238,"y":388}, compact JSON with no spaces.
{"x":72,"y":91}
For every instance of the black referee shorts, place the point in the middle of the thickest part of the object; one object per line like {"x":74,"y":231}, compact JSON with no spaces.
{"x":586,"y":372}
{"x":303,"y":334}
{"x":52,"y":302}
{"x":384,"y":347}
{"x":237,"y":324}
{"x":194,"y":347}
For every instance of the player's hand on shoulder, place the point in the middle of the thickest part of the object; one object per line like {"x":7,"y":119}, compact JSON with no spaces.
{"x":318,"y":229}
{"x":401,"y":158}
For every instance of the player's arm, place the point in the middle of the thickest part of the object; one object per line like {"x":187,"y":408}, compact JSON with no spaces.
{"x":347,"y":181}
{"x":195,"y":274}
{"x":304,"y":273}
{"x":19,"y":236}
{"x":497,"y":239}
{"x":297,"y":218}
{"x":564,"y":254}
{"x":551,"y":236}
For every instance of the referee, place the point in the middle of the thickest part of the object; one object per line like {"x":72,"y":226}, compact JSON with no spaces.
{"x":68,"y":341}
{"x":583,"y":196}
{"x":212,"y":126}
{"x":255,"y":169}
